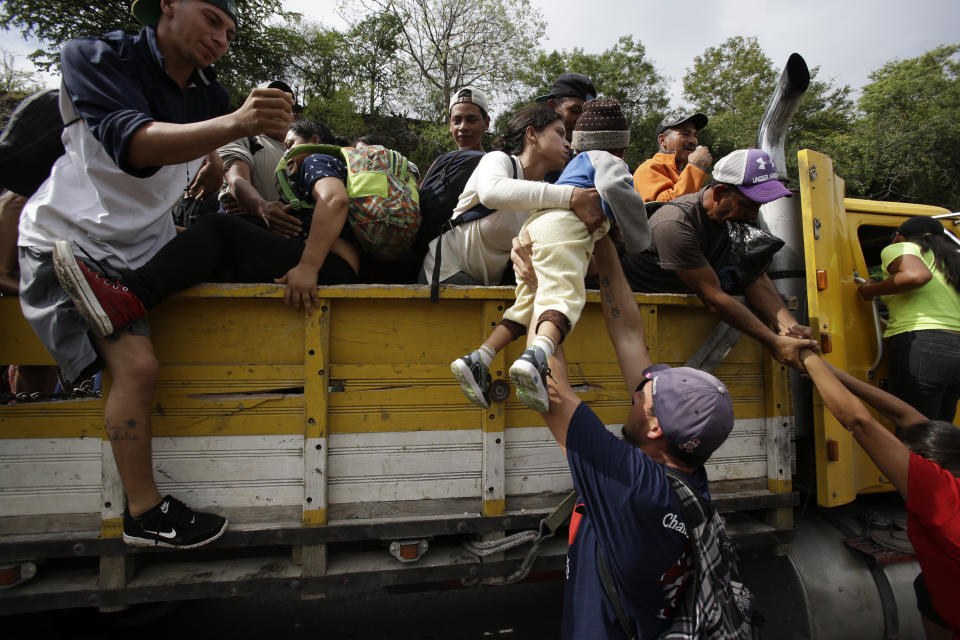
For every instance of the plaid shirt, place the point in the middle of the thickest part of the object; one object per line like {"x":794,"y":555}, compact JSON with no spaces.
{"x":714,"y":606}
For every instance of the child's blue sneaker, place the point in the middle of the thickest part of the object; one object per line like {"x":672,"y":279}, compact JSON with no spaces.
{"x":474,"y":378}
{"x":529,"y":373}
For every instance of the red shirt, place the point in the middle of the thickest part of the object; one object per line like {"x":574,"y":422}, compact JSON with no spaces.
{"x":933,"y":526}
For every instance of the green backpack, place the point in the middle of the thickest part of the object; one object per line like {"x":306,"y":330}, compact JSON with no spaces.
{"x":384,"y":209}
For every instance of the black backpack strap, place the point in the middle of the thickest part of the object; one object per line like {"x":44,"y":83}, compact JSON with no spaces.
{"x":474,"y":213}
{"x":613,"y":595}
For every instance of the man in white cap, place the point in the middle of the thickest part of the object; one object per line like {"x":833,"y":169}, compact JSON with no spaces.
{"x":691,"y":243}
{"x":469,"y":118}
{"x":148,"y":110}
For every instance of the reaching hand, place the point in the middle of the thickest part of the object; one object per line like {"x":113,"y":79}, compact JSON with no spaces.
{"x":279,"y":219}
{"x":301,"y":289}
{"x":233,"y":207}
{"x":522,"y":256}
{"x":786,"y":350}
{"x":586,"y":204}
{"x":798,"y":331}
{"x":208,"y":180}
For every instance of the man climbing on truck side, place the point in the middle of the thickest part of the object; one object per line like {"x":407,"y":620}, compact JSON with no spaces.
{"x":691,"y":244}
{"x":151,"y":110}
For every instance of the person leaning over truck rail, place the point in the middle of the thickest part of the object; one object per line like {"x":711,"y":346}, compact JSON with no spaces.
{"x":509,"y":181}
{"x":151,"y":109}
{"x":924,"y":466}
{"x":630,"y":513}
{"x":922,"y":293}
{"x":680,"y":166}
{"x":691,"y":243}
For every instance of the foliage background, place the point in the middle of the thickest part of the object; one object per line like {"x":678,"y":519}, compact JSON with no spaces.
{"x":392,"y":71}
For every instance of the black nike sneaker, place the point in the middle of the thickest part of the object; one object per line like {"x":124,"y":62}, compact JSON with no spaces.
{"x":172,"y":524}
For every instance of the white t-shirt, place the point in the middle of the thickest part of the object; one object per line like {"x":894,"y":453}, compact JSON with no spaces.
{"x":482,"y":248}
{"x":117,"y":218}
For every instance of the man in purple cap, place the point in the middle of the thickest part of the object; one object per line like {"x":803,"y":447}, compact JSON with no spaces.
{"x":691,"y":244}
{"x":629,"y":512}
{"x":145,"y":112}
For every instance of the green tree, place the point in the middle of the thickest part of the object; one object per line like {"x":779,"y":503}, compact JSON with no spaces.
{"x":905,"y":144}
{"x":14,"y":80}
{"x":453,"y":43}
{"x":256,"y":54}
{"x":733,"y":83}
{"x":623,"y":72}
{"x":373,"y":45}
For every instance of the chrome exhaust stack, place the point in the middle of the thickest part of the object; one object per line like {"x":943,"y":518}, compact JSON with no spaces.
{"x":772,"y":135}
{"x":783,"y":219}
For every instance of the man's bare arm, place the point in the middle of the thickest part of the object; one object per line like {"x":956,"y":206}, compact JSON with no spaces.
{"x":889,"y":454}
{"x":563,"y":400}
{"x":621,"y":314}
{"x":704,"y":282}
{"x":164,"y":143}
{"x":898,"y":411}
{"x":764,"y":297}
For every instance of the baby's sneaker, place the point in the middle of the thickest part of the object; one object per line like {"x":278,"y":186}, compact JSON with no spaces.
{"x":474,"y":378}
{"x":529,"y":374}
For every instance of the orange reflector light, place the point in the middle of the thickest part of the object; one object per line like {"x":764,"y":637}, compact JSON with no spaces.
{"x":833,"y":450}
{"x":826,"y":343}
{"x":821,"y":279}
{"x":408,"y":551}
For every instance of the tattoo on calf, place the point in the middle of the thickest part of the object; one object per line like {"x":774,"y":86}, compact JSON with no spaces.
{"x":126,"y":431}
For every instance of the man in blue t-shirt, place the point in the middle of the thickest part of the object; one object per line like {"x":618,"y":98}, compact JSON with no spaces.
{"x":628,"y":511}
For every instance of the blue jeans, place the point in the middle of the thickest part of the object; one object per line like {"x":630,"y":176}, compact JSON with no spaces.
{"x":925,"y":371}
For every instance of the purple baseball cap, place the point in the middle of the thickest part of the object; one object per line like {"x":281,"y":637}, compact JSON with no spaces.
{"x":693,"y":408}
{"x":753,"y":172}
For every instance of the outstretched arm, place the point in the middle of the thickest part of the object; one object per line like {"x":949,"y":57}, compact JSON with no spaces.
{"x":705,"y":283}
{"x":889,"y":454}
{"x":764,"y":297}
{"x":622,"y":315}
{"x":898,"y":411}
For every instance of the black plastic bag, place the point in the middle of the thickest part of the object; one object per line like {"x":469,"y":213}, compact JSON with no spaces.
{"x":751,"y":252}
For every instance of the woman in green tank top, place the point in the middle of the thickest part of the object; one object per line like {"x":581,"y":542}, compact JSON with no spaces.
{"x":922,"y":293}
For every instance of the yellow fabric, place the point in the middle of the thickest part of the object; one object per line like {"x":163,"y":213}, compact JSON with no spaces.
{"x":561,"y":250}
{"x":935,"y":305}
{"x":657,"y":179}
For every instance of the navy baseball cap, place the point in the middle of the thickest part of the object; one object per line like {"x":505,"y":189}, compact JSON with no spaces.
{"x":693,"y":408}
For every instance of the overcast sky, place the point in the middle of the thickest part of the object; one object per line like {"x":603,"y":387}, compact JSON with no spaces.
{"x":847,"y":39}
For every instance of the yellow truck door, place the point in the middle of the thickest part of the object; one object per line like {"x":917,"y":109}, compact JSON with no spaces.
{"x":842,"y":238}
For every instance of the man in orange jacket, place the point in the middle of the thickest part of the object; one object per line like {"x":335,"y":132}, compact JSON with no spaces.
{"x":680,"y":167}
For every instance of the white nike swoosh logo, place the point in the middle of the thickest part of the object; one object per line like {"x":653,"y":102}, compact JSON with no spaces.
{"x":164,"y":534}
